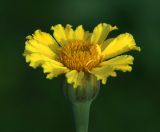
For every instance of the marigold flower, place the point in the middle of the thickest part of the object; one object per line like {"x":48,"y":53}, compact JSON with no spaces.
{"x":77,"y":53}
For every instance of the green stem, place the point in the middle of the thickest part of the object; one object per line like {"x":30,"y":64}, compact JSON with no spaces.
{"x":81,"y":115}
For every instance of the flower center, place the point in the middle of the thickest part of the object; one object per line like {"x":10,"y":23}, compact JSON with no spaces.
{"x":80,"y":55}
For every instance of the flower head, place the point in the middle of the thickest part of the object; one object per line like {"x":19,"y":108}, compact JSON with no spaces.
{"x":77,"y":53}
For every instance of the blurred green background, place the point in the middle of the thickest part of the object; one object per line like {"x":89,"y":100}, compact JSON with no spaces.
{"x":31,"y":103}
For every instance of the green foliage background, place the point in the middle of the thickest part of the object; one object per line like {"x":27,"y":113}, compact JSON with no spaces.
{"x":31,"y":103}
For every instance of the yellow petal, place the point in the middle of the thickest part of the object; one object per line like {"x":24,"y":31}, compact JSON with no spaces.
{"x":50,"y":66}
{"x":101,"y":32}
{"x":69,"y":32}
{"x":79,"y":33}
{"x":44,"y":39}
{"x":60,"y":34}
{"x":121,"y":44}
{"x":74,"y":77}
{"x":106,"y":43}
{"x":54,"y":69}
{"x":33,"y":46}
{"x":37,"y":59}
{"x":41,"y":39}
{"x":107,"y":68}
{"x":122,"y":63}
{"x":87,"y":36}
{"x":39,"y":49}
{"x":102,"y":73}
{"x":34,"y":60}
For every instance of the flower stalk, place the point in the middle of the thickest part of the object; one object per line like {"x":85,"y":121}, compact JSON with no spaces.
{"x":81,"y":99}
{"x":81,"y":116}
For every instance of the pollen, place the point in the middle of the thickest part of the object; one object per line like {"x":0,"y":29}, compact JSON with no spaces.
{"x":80,"y":55}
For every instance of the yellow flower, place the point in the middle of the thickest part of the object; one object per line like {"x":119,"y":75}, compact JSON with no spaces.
{"x":77,"y":53}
